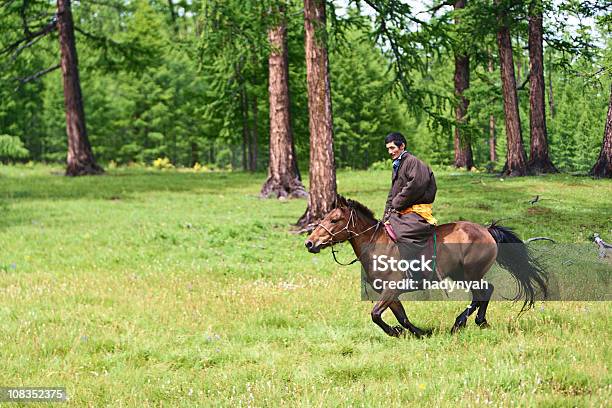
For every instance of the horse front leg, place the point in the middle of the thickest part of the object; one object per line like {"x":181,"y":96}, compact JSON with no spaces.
{"x":400,"y":314}
{"x":387,"y":299}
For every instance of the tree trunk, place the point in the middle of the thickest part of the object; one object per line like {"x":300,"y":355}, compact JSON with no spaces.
{"x":492,"y":153}
{"x":173,"y":19}
{"x":551,"y":100}
{"x":283,"y":180}
{"x":295,"y":162}
{"x":515,"y":157}
{"x":80,"y":159}
{"x":539,"y":160}
{"x":194,"y":153}
{"x":603,"y":166}
{"x":244,"y":110}
{"x":254,"y":136}
{"x":463,"y":147}
{"x":519,"y":65}
{"x":322,"y":170}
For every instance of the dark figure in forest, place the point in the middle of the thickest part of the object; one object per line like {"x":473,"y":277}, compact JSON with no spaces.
{"x":408,"y":209}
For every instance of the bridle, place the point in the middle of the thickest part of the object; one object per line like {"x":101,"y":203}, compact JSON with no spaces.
{"x":351,"y":221}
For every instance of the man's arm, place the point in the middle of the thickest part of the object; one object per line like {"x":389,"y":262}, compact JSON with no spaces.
{"x":388,"y":206}
{"x":417,"y":179}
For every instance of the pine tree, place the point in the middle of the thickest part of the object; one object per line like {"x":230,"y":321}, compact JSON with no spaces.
{"x":515,"y":156}
{"x":80,"y":160}
{"x":603,"y":166}
{"x":283,"y":177}
{"x":322,"y":171}
{"x":463,"y":146}
{"x":539,"y":161}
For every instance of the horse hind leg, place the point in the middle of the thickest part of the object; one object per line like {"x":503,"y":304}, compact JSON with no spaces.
{"x":462,"y":319}
{"x":480,"y":302}
{"x":481,"y":319}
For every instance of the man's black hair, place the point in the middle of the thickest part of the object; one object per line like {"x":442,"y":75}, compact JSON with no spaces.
{"x":397,"y":138}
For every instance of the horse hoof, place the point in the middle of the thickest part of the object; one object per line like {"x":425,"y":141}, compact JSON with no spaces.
{"x":426,"y":333}
{"x":398,"y":331}
{"x":483,"y":324}
{"x":459,"y":324}
{"x":457,"y":327}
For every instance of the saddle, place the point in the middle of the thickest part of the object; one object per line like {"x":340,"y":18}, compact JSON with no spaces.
{"x":390,"y":232}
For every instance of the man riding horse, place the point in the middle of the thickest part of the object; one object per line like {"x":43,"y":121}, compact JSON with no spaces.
{"x":465,"y":250}
{"x":408,"y":209}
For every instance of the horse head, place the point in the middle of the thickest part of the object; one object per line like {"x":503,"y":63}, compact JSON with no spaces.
{"x":334,"y":228}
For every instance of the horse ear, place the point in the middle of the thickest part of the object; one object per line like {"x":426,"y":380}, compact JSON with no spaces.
{"x":340,"y":201}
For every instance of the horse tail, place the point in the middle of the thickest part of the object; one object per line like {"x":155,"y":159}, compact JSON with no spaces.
{"x":516,"y":259}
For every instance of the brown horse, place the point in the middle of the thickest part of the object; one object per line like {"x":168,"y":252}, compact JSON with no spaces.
{"x":464,"y":251}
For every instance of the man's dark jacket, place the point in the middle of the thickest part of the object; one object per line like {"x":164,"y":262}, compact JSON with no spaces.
{"x":413,"y":183}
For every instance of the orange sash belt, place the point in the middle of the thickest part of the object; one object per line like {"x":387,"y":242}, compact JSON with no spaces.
{"x":424,"y":210}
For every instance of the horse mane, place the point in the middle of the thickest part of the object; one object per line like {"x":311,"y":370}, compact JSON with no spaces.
{"x":341,"y":201}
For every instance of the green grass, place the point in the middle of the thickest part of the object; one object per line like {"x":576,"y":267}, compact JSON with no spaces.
{"x":148,"y":288}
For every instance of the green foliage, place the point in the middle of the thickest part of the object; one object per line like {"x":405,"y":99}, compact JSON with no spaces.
{"x":363,"y":112}
{"x":381,"y":165}
{"x":12,"y":148}
{"x":191,"y":83}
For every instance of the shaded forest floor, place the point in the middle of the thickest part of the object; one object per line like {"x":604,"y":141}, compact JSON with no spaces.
{"x":142,"y":288}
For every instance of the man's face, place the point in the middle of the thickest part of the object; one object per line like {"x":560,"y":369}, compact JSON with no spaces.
{"x":395,"y":151}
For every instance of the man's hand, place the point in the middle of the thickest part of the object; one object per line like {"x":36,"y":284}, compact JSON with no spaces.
{"x":389,"y":212}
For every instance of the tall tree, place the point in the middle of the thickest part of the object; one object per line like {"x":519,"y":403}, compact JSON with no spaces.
{"x":463,"y":146}
{"x":322,"y":171}
{"x":80,"y":159}
{"x":603,"y":166}
{"x":492,"y":153}
{"x":283,"y":179}
{"x":539,"y":160}
{"x":551,"y":97}
{"x":244,"y":113}
{"x":515,"y":156}
{"x":254,"y":135}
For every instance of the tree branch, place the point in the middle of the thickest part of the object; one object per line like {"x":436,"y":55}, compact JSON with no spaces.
{"x":15,"y":47}
{"x":522,"y":86}
{"x":433,"y":10}
{"x":539,"y":239}
{"x":394,"y":48}
{"x":375,"y":7}
{"x":6,"y":3}
{"x":101,"y":40}
{"x":35,"y":76}
{"x":24,"y":21}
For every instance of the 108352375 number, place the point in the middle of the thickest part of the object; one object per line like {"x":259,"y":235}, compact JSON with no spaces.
{"x":33,"y":394}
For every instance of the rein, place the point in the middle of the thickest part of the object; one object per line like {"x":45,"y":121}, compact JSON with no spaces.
{"x":351,"y":221}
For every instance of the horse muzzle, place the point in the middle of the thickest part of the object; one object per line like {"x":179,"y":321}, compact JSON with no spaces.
{"x":312,"y":247}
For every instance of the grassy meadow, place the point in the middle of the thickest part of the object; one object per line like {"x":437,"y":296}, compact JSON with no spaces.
{"x":176,"y":288}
